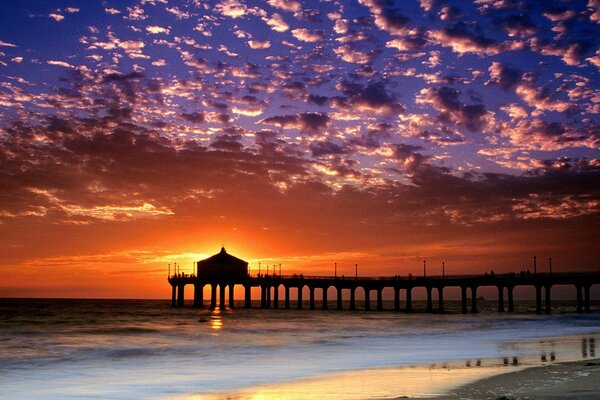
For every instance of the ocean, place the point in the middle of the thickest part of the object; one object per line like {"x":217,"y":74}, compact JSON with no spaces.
{"x":127,"y":349}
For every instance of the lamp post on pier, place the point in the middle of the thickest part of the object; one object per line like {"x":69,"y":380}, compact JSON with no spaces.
{"x":424,"y":268}
{"x":443,"y":270}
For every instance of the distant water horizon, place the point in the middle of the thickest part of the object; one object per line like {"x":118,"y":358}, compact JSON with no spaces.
{"x":128,"y":349}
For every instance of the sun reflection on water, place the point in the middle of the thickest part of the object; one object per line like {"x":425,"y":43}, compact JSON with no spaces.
{"x":216,"y":322}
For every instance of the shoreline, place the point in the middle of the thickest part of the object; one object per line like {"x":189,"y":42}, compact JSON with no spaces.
{"x":574,"y":380}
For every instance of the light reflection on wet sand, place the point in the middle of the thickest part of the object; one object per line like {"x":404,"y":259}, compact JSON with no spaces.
{"x":416,"y":381}
{"x":367,"y":384}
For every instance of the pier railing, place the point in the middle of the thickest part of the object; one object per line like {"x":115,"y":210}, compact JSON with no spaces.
{"x":270,"y":285}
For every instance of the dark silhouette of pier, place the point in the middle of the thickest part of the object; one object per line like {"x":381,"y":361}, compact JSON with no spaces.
{"x":223,"y":272}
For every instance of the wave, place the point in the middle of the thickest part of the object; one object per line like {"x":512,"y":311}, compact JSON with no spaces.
{"x":125,"y":330}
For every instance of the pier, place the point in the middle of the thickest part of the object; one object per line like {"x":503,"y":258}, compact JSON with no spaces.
{"x":222,"y":272}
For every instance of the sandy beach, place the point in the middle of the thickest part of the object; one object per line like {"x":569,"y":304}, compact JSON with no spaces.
{"x":571,"y":380}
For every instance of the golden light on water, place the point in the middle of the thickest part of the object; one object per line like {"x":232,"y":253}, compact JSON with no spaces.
{"x":216,"y":322}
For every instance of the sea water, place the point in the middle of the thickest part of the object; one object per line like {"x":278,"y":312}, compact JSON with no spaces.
{"x":123,"y":349}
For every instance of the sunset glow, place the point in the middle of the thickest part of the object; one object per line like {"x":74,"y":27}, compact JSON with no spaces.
{"x":136,"y":135}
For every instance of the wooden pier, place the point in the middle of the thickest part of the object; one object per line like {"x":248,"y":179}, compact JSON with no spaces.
{"x":223,"y":279}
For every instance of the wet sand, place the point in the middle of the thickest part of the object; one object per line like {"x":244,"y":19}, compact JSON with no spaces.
{"x":572,"y":380}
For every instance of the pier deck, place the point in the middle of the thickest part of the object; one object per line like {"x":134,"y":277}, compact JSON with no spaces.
{"x":469,"y":284}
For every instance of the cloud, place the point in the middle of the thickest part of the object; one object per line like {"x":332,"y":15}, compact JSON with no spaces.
{"x":306,"y":35}
{"x":308,"y":121}
{"x":326,"y":148}
{"x":540,"y":98}
{"x":595,"y":60}
{"x":594,"y":8}
{"x":56,"y":17}
{"x":6,"y":44}
{"x":521,"y":25}
{"x":536,"y":134}
{"x":372,"y":98}
{"x":286,"y":5}
{"x":556,"y":14}
{"x":277,"y":23}
{"x":503,"y":75}
{"x":179,"y":14}
{"x":387,"y":16}
{"x":231,"y":8}
{"x":159,"y":63}
{"x":415,"y":40}
{"x":462,"y":41}
{"x":407,"y":157}
{"x":571,"y":53}
{"x":350,"y":54}
{"x":154,"y":29}
{"x":136,"y":13}
{"x":259,"y":44}
{"x":446,"y":101}
{"x":59,"y":63}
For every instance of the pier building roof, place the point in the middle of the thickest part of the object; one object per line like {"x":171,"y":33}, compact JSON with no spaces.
{"x":222,"y":265}
{"x":223,"y":258}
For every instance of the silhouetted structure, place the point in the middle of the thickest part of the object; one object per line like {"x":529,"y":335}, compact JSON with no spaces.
{"x":222,"y":267}
{"x":225,"y":271}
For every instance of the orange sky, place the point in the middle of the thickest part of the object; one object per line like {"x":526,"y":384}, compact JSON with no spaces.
{"x":128,"y":259}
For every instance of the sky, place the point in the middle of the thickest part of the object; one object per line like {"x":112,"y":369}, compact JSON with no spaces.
{"x":138,"y":134}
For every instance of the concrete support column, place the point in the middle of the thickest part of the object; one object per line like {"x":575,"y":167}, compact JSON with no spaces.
{"x":441,"y":299}
{"x":579,"y":299}
{"x":500,"y":299}
{"x":339,"y":298}
{"x":231,"y":295}
{"x":429,"y":300}
{"x":300,"y":298}
{"x":324,"y":305}
{"x":409,"y":299}
{"x":287,"y":297}
{"x":538,"y":299}
{"x":248,"y":296}
{"x":268,"y":289}
{"x":463,"y":299}
{"x":511,"y":301}
{"x":312,"y":298}
{"x":213,"y":296}
{"x":180,"y":294}
{"x":173,"y":296}
{"x":379,"y":299}
{"x":352,"y":299}
{"x":474,"y":299}
{"x":548,"y":304}
{"x":396,"y":299}
{"x":198,"y":295}
{"x":222,"y":296}
{"x":276,"y":296}
{"x":587,"y":298}
{"x":263,"y":297}
{"x":367,"y":299}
